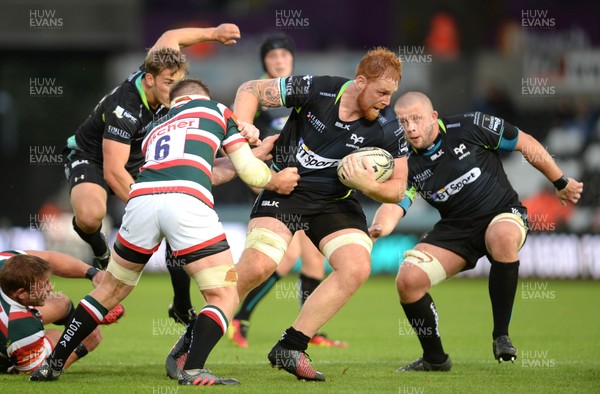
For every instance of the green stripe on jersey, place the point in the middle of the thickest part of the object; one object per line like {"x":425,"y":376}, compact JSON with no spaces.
{"x":140,"y":89}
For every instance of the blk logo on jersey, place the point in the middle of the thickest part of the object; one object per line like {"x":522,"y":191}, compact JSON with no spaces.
{"x":436,"y":155}
{"x":309,"y":159}
{"x":343,"y":126}
{"x":456,"y":185}
{"x":78,"y":162}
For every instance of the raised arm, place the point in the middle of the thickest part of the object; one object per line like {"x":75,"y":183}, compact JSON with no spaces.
{"x":252,"y":94}
{"x":568,"y":189}
{"x":226,"y":34}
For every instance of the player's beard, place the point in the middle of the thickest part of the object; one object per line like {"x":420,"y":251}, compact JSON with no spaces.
{"x":367,"y":111}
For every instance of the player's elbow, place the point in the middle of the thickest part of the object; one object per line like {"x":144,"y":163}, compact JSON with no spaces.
{"x":248,"y":89}
{"x":169,"y":39}
{"x":111,"y":177}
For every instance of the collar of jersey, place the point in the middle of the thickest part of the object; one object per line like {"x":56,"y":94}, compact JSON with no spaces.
{"x":342,"y":90}
{"x":140,"y":88}
{"x":12,"y":302}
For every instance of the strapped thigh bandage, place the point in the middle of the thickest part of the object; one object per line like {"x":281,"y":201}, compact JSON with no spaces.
{"x":268,"y":242}
{"x":512,"y":218}
{"x":214,"y":277}
{"x":122,"y":274}
{"x":428,"y":263}
{"x":360,"y":239}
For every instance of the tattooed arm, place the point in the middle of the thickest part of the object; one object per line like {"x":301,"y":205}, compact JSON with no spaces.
{"x":252,"y":94}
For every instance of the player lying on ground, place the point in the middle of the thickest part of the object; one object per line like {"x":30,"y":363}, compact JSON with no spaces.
{"x":27,"y":303}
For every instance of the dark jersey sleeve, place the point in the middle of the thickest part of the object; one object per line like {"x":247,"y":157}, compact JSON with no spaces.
{"x":493,"y":132}
{"x":297,"y":90}
{"x":120,"y":123}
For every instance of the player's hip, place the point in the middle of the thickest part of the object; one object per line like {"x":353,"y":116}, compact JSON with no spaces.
{"x":187,"y":223}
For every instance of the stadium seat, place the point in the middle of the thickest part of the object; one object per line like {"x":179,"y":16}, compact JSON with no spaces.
{"x":571,"y":167}
{"x":564,"y":142}
{"x":591,"y":157}
{"x":525,"y":179}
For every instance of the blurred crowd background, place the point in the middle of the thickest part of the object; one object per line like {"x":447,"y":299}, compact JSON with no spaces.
{"x":536,"y":64}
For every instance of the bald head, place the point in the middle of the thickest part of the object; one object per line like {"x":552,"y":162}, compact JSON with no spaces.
{"x":411,"y":99}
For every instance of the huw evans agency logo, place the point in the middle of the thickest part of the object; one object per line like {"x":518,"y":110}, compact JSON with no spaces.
{"x":291,"y":19}
{"x":537,"y":19}
{"x":45,"y":20}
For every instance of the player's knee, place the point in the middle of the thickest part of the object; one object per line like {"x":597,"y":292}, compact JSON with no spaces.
{"x":411,"y":281}
{"x":502,"y":245}
{"x":122,"y":277}
{"x":361,"y":271}
{"x":89,"y":219}
{"x":505,"y":235}
{"x":222,"y":296}
{"x":418,"y":273}
{"x":220,"y":279}
{"x":267,"y":242}
{"x":63,"y":301}
{"x":359,"y":239}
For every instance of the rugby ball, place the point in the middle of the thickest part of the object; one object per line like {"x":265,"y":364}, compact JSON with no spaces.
{"x":379,"y":159}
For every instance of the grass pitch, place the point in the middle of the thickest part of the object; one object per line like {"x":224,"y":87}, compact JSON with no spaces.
{"x":556,"y":328}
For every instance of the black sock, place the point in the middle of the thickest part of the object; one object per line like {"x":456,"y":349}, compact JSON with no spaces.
{"x":293,"y":339}
{"x":180,"y":281}
{"x":66,"y":319}
{"x":210,"y":326}
{"x":306,"y":285}
{"x":87,"y":316}
{"x":254,"y":297}
{"x":502,"y":286}
{"x":95,"y":239}
{"x":423,"y":318}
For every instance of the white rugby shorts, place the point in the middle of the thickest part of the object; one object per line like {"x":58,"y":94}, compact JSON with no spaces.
{"x":186,"y":222}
